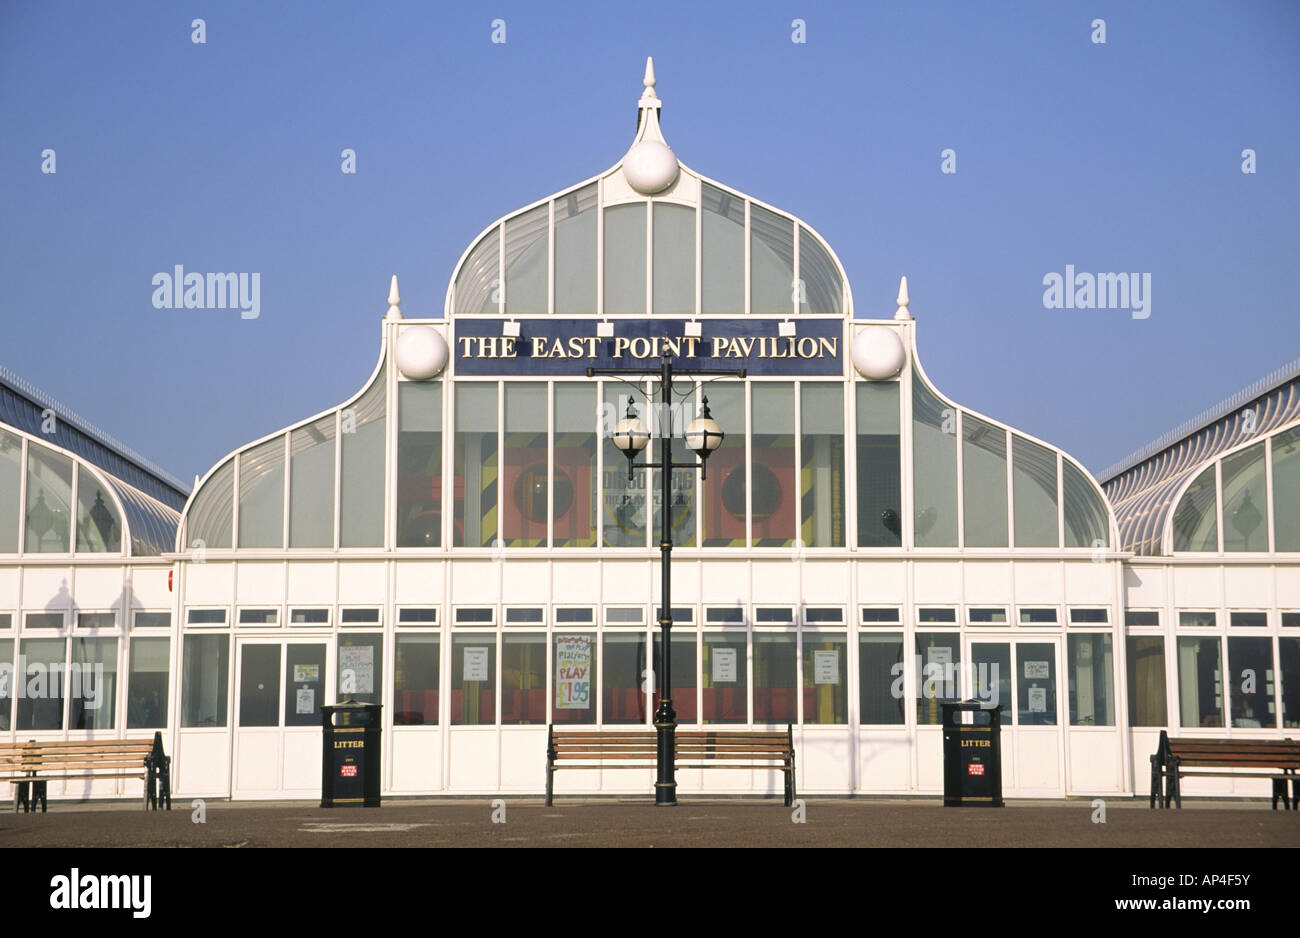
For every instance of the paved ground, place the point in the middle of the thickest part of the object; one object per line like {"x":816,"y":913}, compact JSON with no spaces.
{"x":699,"y":822}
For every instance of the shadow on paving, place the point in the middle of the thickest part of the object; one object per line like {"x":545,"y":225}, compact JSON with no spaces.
{"x":703,"y":823}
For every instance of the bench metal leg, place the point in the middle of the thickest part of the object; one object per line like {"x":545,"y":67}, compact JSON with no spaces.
{"x":1155,"y":781}
{"x":21,"y":795}
{"x":38,"y":792}
{"x":550,"y":777}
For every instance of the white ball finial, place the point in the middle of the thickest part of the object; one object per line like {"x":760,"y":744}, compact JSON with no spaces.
{"x":902,"y":301}
{"x":394,"y":299}
{"x":878,"y":353}
{"x":421,"y":352}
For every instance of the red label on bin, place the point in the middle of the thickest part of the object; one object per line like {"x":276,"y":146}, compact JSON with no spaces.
{"x":974,"y":769}
{"x":348,"y":771}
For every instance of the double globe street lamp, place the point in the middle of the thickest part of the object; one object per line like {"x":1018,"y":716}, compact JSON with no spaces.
{"x":631,"y":437}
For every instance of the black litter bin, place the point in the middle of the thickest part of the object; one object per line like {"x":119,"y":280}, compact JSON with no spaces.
{"x":972,"y":756}
{"x":350,"y":755}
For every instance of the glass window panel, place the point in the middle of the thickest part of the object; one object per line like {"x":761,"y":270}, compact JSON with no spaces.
{"x":259,"y":685}
{"x":938,"y":664}
{"x":96,"y":620}
{"x":261,"y":495}
{"x":624,"y":678}
{"x":40,"y":706}
{"x":1200,"y":682}
{"x":1250,"y":620}
{"x":934,"y":468}
{"x":772,"y":480}
{"x":415,"y":681}
{"x":304,"y":684}
{"x":623,"y":500}
{"x":822,"y":291}
{"x":311,"y":485}
{"x":625,"y":258}
{"x":92,"y":684}
{"x":771,"y":262}
{"x":208,"y":522}
{"x":683,"y":491}
{"x":725,"y":488}
{"x":574,"y":484}
{"x":524,"y":477}
{"x":1252,"y":681}
{"x":49,"y":500}
{"x":984,"y":482}
{"x":361,"y":667}
{"x":527,"y":250}
{"x":529,"y":616}
{"x":475,"y":460}
{"x":1146,"y":681}
{"x":573,"y":677}
{"x":821,"y":473}
{"x":879,"y":486}
{"x":476,"y":284}
{"x":7,"y":682}
{"x":362,"y":427}
{"x":1196,"y":524}
{"x":575,"y":252}
{"x":1286,"y":490}
{"x":1206,"y":619}
{"x":674,"y":259}
{"x":523,"y":679}
{"x":722,"y":251}
{"x":99,"y":526}
{"x":1245,"y":501}
{"x":937,"y":615}
{"x":725,"y":678}
{"x":988,"y":616}
{"x":685,"y":676}
{"x":1037,"y":693}
{"x":1086,"y":521}
{"x":1091,"y":664}
{"x":991,"y":677}
{"x":1289,"y":664}
{"x":1141,"y":617}
{"x":473,"y":679}
{"x":204,"y":673}
{"x":1033,"y":485}
{"x":825,"y":678}
{"x":419,"y":464}
{"x":880,"y":680}
{"x":11,"y":468}
{"x":775,"y":678}
{"x":147,"y":683}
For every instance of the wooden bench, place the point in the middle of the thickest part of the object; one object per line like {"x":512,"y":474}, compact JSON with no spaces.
{"x":694,"y":749}
{"x":30,"y":765}
{"x":1275,"y":759}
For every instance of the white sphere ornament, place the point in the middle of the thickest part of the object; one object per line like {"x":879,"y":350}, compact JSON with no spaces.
{"x":421,"y":353}
{"x":878,"y":353}
{"x":650,"y":167}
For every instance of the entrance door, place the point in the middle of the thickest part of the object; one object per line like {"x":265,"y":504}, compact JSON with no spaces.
{"x":279,"y":688}
{"x":1021,"y":675}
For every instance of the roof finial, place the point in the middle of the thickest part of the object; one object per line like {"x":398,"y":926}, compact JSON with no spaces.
{"x":648,"y":97}
{"x":394,"y":298}
{"x":903,"y":301}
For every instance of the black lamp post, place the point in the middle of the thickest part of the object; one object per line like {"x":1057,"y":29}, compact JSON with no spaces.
{"x":630,"y":436}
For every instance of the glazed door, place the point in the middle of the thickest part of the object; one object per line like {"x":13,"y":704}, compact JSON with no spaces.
{"x":279,"y":688}
{"x":1022,"y":676}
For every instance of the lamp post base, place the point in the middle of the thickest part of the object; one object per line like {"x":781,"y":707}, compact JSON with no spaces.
{"x":666,"y":785}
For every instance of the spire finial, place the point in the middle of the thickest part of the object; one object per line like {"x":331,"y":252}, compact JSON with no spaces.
{"x":394,"y":298}
{"x":903,"y":301}
{"x":648,"y":97}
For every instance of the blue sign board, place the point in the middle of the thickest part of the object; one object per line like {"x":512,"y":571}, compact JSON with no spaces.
{"x":571,"y":346}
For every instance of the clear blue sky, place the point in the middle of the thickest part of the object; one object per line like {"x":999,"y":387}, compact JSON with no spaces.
{"x":225,"y":157}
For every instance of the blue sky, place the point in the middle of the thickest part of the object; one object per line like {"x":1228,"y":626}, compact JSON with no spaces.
{"x":225,"y":156}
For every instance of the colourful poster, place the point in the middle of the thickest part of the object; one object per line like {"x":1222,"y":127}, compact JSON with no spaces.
{"x":572,"y":672}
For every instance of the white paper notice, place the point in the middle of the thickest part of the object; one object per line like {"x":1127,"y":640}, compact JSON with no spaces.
{"x":1036,"y":670}
{"x":826,"y":667}
{"x":724,"y":666}
{"x":305,"y":673}
{"x":476,"y":663}
{"x":939,"y":655}
{"x":1038,"y":700}
{"x":306,"y":700}
{"x":357,"y":669}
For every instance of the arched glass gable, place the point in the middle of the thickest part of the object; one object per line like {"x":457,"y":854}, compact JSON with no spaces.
{"x":280,"y":492}
{"x":707,"y":250}
{"x":1236,"y":505}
